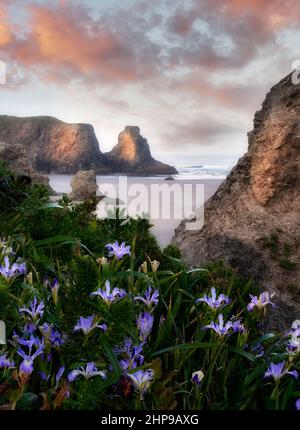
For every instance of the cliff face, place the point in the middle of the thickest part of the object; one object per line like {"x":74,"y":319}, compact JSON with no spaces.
{"x":53,"y":145}
{"x":132,"y":155}
{"x":253,"y":220}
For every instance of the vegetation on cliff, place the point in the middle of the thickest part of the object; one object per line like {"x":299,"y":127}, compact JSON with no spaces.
{"x":97,"y":316}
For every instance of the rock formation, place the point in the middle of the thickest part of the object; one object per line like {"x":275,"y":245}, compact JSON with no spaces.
{"x":18,"y":162}
{"x":132,"y":156}
{"x":53,"y":145}
{"x":253,"y":220}
{"x":84,"y":185}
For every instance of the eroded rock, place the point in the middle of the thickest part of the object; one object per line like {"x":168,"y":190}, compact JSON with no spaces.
{"x":84,"y":185}
{"x":54,"y":146}
{"x":253,"y":220}
{"x":132,"y":155}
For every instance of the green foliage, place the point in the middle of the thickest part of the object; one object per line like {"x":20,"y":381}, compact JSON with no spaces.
{"x":68,"y":243}
{"x":83,"y":280}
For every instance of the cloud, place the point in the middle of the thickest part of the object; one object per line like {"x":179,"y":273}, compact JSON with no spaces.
{"x":6,"y":34}
{"x":64,"y":42}
{"x":203,"y":131}
{"x":230,"y":34}
{"x":144,"y":61}
{"x":181,"y":24}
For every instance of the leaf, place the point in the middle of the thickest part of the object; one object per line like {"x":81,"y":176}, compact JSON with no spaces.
{"x":263,"y":338}
{"x":156,"y":365}
{"x":27,"y":401}
{"x":196,"y":270}
{"x":245,"y":354}
{"x":129,"y":273}
{"x":287,"y":395}
{"x":111,"y":356}
{"x":187,"y":346}
{"x":32,"y":289}
{"x":56,"y":240}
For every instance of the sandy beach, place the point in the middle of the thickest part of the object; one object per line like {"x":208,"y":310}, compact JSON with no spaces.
{"x":184,"y":196}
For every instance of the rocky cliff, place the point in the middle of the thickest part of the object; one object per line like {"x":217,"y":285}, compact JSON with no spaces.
{"x":253,"y":220}
{"x":132,"y":156}
{"x":53,"y":145}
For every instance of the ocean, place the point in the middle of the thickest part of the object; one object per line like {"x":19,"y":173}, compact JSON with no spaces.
{"x":166,"y":203}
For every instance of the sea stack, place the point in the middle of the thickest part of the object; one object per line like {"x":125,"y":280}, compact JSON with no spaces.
{"x":132,"y":156}
{"x":253,"y":220}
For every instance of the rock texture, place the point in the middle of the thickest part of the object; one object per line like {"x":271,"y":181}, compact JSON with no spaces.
{"x":132,"y":155}
{"x":18,"y":161}
{"x":53,"y":145}
{"x":253,"y":220}
{"x":84,"y":185}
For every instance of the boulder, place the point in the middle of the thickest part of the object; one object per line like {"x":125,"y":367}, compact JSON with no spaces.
{"x":84,"y":185}
{"x":132,"y":156}
{"x":253,"y":220}
{"x":17,"y":160}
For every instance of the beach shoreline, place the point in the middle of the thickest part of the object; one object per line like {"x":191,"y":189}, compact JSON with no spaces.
{"x":162,"y":227}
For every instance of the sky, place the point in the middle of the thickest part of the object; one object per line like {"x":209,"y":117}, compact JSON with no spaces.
{"x":190,"y":74}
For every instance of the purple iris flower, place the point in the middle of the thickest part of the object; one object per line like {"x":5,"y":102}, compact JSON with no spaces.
{"x":293,"y":345}
{"x":145,"y":324}
{"x":126,"y":347}
{"x":132,"y":355}
{"x":238,"y":327}
{"x":297,"y":404}
{"x":214,"y":302}
{"x":54,"y":287}
{"x":295,"y":330}
{"x":28,"y":359}
{"x":150,"y":299}
{"x":33,"y":341}
{"x":109,"y":295}
{"x":86,"y":325}
{"x":5,"y":362}
{"x":54,"y":337}
{"x":261,"y":301}
{"x":141,"y":380}
{"x":278,"y":370}
{"x":59,"y":374}
{"x":89,"y":372}
{"x":35,"y":310}
{"x":44,"y":376}
{"x":258,"y":350}
{"x":197,"y":377}
{"x":118,"y":251}
{"x":29,"y":328}
{"x":227,"y":329}
{"x":11,"y":271}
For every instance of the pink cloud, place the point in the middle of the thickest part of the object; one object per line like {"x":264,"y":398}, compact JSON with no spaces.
{"x":249,"y":25}
{"x":65,"y":40}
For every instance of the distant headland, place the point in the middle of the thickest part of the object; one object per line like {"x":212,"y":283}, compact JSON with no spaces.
{"x":54,"y":146}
